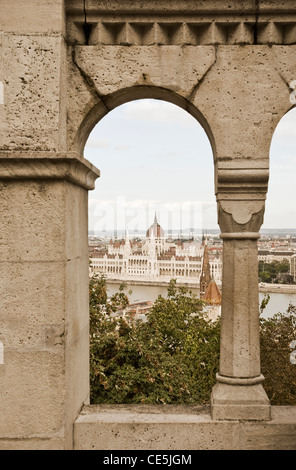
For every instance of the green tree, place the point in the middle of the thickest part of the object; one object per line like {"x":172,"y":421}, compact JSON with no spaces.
{"x":283,"y":266}
{"x":171,"y":358}
{"x":103,"y":332}
{"x":268,"y":272}
{"x":174,"y":356}
{"x":276,"y":335}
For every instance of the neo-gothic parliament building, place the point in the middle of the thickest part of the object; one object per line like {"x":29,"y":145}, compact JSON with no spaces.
{"x":156,"y":258}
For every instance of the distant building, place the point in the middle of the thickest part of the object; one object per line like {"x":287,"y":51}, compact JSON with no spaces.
{"x":274,"y":255}
{"x":155,"y":258}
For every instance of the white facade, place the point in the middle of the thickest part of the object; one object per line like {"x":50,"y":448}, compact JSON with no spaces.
{"x":156,"y":259}
{"x":269,"y":256}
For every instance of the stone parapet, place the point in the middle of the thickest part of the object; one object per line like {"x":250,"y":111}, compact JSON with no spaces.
{"x":171,"y":427}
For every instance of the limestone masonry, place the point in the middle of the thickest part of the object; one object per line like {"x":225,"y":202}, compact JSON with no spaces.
{"x":64,"y":64}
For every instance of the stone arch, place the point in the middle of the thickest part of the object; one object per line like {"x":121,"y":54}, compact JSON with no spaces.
{"x":274,"y":143}
{"x":283,"y":111}
{"x":125,"y":95}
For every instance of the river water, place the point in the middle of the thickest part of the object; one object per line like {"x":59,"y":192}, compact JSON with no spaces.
{"x":278,"y":302}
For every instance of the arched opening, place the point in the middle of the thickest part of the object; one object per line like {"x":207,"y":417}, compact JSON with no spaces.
{"x":159,"y":140}
{"x":279,"y":229}
{"x":140,"y":92}
{"x":157,"y":177}
{"x":276,"y":260}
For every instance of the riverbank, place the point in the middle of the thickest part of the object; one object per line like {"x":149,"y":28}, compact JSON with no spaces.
{"x":152,"y":282}
{"x":277,"y":288}
{"x":263,"y":288}
{"x":279,"y":300}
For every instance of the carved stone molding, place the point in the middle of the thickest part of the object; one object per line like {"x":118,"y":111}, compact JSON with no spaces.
{"x":242,"y":217}
{"x":242,"y":176}
{"x":79,"y":172}
{"x":241,"y":188}
{"x":178,"y":23}
{"x":239,"y":380}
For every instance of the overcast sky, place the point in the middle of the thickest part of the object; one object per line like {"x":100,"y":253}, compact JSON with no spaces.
{"x":154,"y":157}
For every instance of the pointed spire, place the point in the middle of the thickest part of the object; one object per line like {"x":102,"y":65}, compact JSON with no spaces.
{"x":155,"y":218}
{"x":205,"y":277}
{"x":204,"y":240}
{"x":126,"y":235}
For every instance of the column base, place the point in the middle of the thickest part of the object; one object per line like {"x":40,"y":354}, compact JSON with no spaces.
{"x":240,"y":402}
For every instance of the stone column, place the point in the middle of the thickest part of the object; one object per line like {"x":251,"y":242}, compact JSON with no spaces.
{"x":239,"y":393}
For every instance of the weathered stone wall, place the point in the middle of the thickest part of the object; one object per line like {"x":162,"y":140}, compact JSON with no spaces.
{"x":66,"y":64}
{"x":43,"y":235}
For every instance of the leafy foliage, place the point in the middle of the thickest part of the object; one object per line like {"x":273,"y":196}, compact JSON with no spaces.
{"x":277,"y":333}
{"x":271,"y":272}
{"x":174,"y":356}
{"x":171,"y":358}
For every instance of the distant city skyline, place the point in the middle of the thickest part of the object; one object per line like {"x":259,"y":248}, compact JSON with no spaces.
{"x":155,"y":157}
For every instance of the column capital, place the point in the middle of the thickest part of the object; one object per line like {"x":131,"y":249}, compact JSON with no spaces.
{"x":240,"y":218}
{"x":241,"y":188}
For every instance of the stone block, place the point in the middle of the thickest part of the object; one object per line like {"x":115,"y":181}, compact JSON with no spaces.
{"x":277,"y":434}
{"x":246,"y":95}
{"x":32,"y":389}
{"x":239,"y":402}
{"x":31,"y":68}
{"x":35,"y":16}
{"x":32,"y":304}
{"x":135,"y":64}
{"x":32,"y":221}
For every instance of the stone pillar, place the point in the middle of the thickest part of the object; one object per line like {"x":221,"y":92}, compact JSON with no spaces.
{"x":239,"y":393}
{"x":44,"y":314}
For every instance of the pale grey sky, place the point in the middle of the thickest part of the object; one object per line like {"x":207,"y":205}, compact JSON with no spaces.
{"x":155,"y":157}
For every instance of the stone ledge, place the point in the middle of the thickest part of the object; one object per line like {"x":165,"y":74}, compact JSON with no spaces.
{"x":179,"y":427}
{"x":77,"y":171}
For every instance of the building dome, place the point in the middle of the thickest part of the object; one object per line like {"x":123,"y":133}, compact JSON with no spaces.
{"x":155,"y":230}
